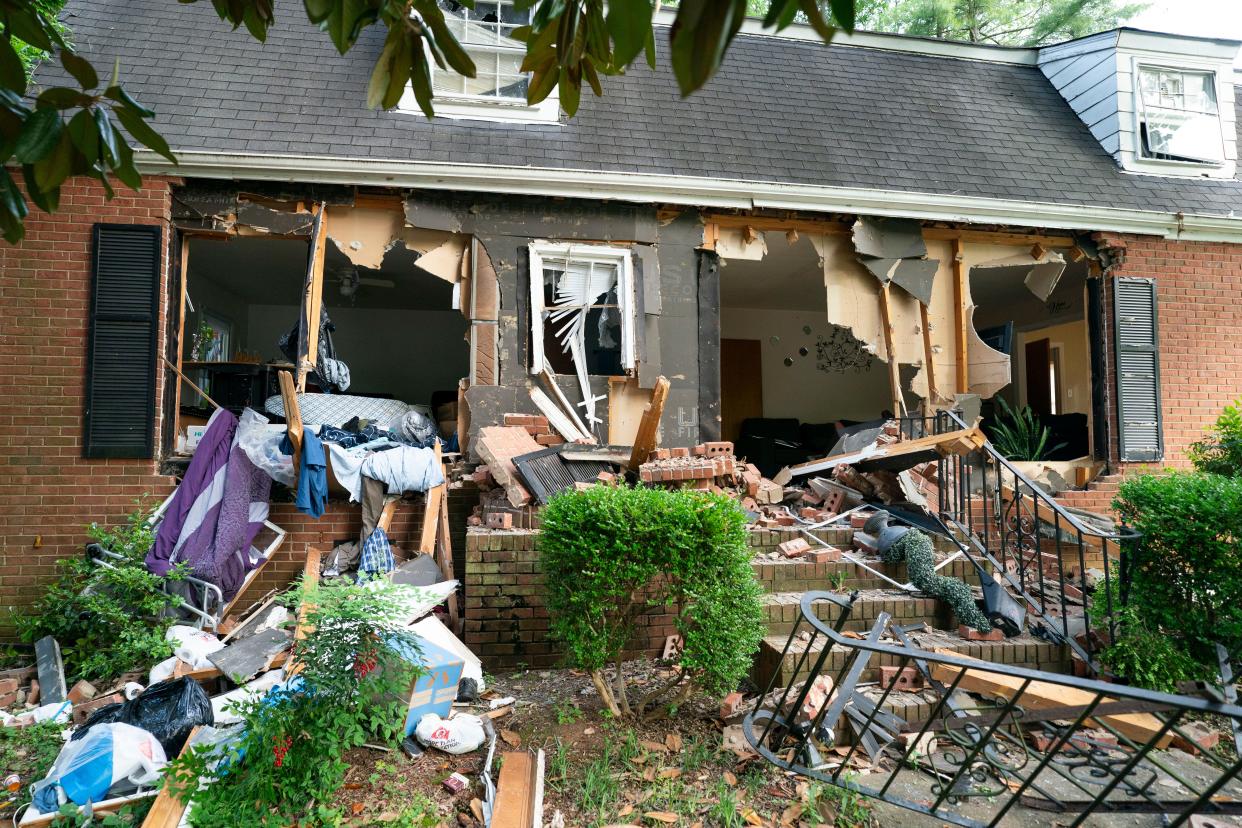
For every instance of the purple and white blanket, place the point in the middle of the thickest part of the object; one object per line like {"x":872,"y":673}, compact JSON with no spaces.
{"x":215,"y":513}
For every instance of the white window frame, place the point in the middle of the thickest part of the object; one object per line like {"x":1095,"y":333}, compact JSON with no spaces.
{"x":620,"y":256}
{"x":464,"y":106}
{"x":1143,"y":160}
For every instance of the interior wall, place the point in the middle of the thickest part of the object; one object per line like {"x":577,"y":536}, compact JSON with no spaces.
{"x":1071,"y":338}
{"x":406,"y":353}
{"x":833,"y":380}
{"x":211,"y":297}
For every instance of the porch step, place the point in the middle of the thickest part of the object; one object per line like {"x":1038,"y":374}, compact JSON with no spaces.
{"x":1024,"y":650}
{"x":793,"y":575}
{"x":766,"y":541}
{"x":782,"y":610}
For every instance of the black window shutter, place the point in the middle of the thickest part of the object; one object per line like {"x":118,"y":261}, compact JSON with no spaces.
{"x":1138,"y":370}
{"x":120,"y":355}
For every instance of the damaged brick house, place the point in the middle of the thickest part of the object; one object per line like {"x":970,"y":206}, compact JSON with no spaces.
{"x":821,"y":235}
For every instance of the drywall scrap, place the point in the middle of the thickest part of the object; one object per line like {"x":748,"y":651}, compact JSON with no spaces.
{"x":365,"y":234}
{"x":893,"y":251}
{"x":740,"y":243}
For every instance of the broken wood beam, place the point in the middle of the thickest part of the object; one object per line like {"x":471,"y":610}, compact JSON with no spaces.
{"x":1141,"y":727}
{"x":519,"y":791}
{"x":890,"y":349}
{"x":293,"y":419}
{"x":312,"y":297}
{"x":961,"y":289}
{"x":911,"y":452}
{"x":929,"y":357}
{"x":168,"y":808}
{"x":310,"y":578}
{"x":648,"y":437}
{"x":431,"y":511}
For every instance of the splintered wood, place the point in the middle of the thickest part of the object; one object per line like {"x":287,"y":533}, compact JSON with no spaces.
{"x":917,"y":451}
{"x":649,"y":427}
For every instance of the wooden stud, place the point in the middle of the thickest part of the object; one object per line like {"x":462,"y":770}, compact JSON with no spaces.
{"x":177,"y":371}
{"x":515,"y":791}
{"x":929,"y":356}
{"x":649,"y":427}
{"x":185,"y":271}
{"x":782,"y":225}
{"x":444,"y":558}
{"x":996,"y":237}
{"x":384,"y":521}
{"x":293,"y":420}
{"x":312,"y":300}
{"x":961,"y":289}
{"x":890,"y":348}
{"x":167,"y":809}
{"x":431,"y":512}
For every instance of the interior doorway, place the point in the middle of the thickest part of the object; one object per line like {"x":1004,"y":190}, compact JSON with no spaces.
{"x":741,"y":384}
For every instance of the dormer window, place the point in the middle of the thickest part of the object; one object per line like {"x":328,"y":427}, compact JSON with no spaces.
{"x":497,"y":92}
{"x":1179,"y":119}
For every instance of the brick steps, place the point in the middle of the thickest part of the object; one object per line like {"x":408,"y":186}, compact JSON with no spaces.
{"x":783,"y":609}
{"x":1024,"y":650}
{"x":792,"y":575}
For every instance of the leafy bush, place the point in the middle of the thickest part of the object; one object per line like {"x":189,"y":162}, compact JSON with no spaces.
{"x":1019,"y":435}
{"x":611,"y":553}
{"x":289,"y":759}
{"x":1220,"y":452}
{"x":107,"y":620}
{"x":1141,"y":653}
{"x":1187,"y":569}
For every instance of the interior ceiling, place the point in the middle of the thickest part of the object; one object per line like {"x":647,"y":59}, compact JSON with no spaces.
{"x":789,"y":277}
{"x":272,"y":271}
{"x":1002,"y":291}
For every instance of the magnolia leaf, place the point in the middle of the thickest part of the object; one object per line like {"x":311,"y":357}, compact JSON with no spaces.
{"x":39,"y":136}
{"x":825,"y":30}
{"x":843,"y":11}
{"x":46,"y":200}
{"x":118,"y":94}
{"x":542,"y":82}
{"x":629,"y":24}
{"x":62,"y":97}
{"x":12,"y":73}
{"x":385,"y":68}
{"x":570,"y":92}
{"x":24,"y":22}
{"x":142,"y":132}
{"x":12,"y":209}
{"x":85,"y":135}
{"x":780,"y":14}
{"x":458,"y":60}
{"x":107,"y":136}
{"x":420,"y":80}
{"x":57,"y":165}
{"x":81,"y":69}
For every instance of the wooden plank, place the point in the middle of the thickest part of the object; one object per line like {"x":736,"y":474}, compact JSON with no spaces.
{"x":253,"y":576}
{"x":929,"y":357}
{"x":570,"y":408}
{"x":515,"y":791}
{"x":649,"y":427}
{"x":384,"y":521}
{"x":1140,"y":727}
{"x":890,"y":349}
{"x":765,"y":223}
{"x":167,"y":809}
{"x":431,"y":512}
{"x":293,"y":419}
{"x":556,"y":418}
{"x":185,"y":271}
{"x":444,"y":559}
{"x":961,"y":289}
{"x":188,"y":382}
{"x":963,"y":441}
{"x":994,"y":237}
{"x":313,"y":295}
{"x":310,"y":577}
{"x":108,"y":806}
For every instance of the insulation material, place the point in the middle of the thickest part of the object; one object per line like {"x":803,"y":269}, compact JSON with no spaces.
{"x":740,"y":243}
{"x":364,"y":234}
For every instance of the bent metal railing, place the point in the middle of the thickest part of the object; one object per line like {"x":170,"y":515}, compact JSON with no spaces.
{"x":1024,"y":737}
{"x":1049,"y":557}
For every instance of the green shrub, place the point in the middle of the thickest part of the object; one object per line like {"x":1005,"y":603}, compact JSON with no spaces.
{"x":1187,"y":568}
{"x":1141,"y":653}
{"x":1220,"y":452}
{"x":915,"y":548}
{"x":289,"y":760}
{"x":107,"y":620}
{"x":611,"y":553}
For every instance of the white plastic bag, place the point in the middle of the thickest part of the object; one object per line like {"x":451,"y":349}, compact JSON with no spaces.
{"x":262,"y":446}
{"x":192,"y":645}
{"x":460,"y":734}
{"x":87,"y":768}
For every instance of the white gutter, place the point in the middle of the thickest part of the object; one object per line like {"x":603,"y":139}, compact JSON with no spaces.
{"x":691,"y":191}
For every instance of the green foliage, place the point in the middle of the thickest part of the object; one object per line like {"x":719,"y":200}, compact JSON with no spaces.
{"x":1220,"y":452}
{"x":836,"y":805}
{"x":1187,"y":568}
{"x":28,"y":752}
{"x":1006,"y":22}
{"x":611,"y":553}
{"x":48,"y":10}
{"x":1141,"y":653}
{"x":915,"y":548}
{"x":1019,"y":435}
{"x":289,"y":759}
{"x":71,"y":816}
{"x":107,"y":620}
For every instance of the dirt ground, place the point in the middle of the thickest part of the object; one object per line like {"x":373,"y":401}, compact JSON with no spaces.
{"x":599,"y":772}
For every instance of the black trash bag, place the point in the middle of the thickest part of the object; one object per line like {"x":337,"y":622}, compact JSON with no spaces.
{"x":168,"y":711}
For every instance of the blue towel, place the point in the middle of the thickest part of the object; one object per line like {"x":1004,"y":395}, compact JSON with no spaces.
{"x":313,"y":477}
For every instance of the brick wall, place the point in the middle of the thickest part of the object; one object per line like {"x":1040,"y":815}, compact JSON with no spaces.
{"x":1199,"y":307}
{"x":48,"y":492}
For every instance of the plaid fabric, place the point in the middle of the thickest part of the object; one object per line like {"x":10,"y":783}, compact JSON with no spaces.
{"x":376,"y":553}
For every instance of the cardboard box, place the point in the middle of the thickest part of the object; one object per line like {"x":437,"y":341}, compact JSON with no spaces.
{"x":436,"y":689}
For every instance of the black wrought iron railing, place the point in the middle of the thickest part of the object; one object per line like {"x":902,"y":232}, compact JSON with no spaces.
{"x":1052,"y":559}
{"x":1022,"y":738}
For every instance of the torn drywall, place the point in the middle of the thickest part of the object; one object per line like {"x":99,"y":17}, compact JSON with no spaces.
{"x":740,"y":243}
{"x":364,"y":234}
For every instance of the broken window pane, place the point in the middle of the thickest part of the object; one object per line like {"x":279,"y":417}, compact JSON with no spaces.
{"x":1180,"y":120}
{"x":486,"y":33}
{"x":582,"y":309}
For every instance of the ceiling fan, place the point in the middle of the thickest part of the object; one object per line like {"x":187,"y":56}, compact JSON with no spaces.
{"x":350,"y":281}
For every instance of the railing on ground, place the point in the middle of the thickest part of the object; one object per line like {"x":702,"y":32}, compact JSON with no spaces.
{"x":1041,"y":740}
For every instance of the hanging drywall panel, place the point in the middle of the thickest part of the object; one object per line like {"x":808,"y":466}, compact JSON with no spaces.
{"x":741,"y":243}
{"x":364,"y":234}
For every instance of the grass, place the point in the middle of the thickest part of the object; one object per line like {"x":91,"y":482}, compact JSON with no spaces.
{"x":836,"y":806}
{"x":27,"y":752}
{"x":566,"y":712}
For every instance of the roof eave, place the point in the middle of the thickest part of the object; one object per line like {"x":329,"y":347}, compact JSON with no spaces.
{"x":690,"y":191}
